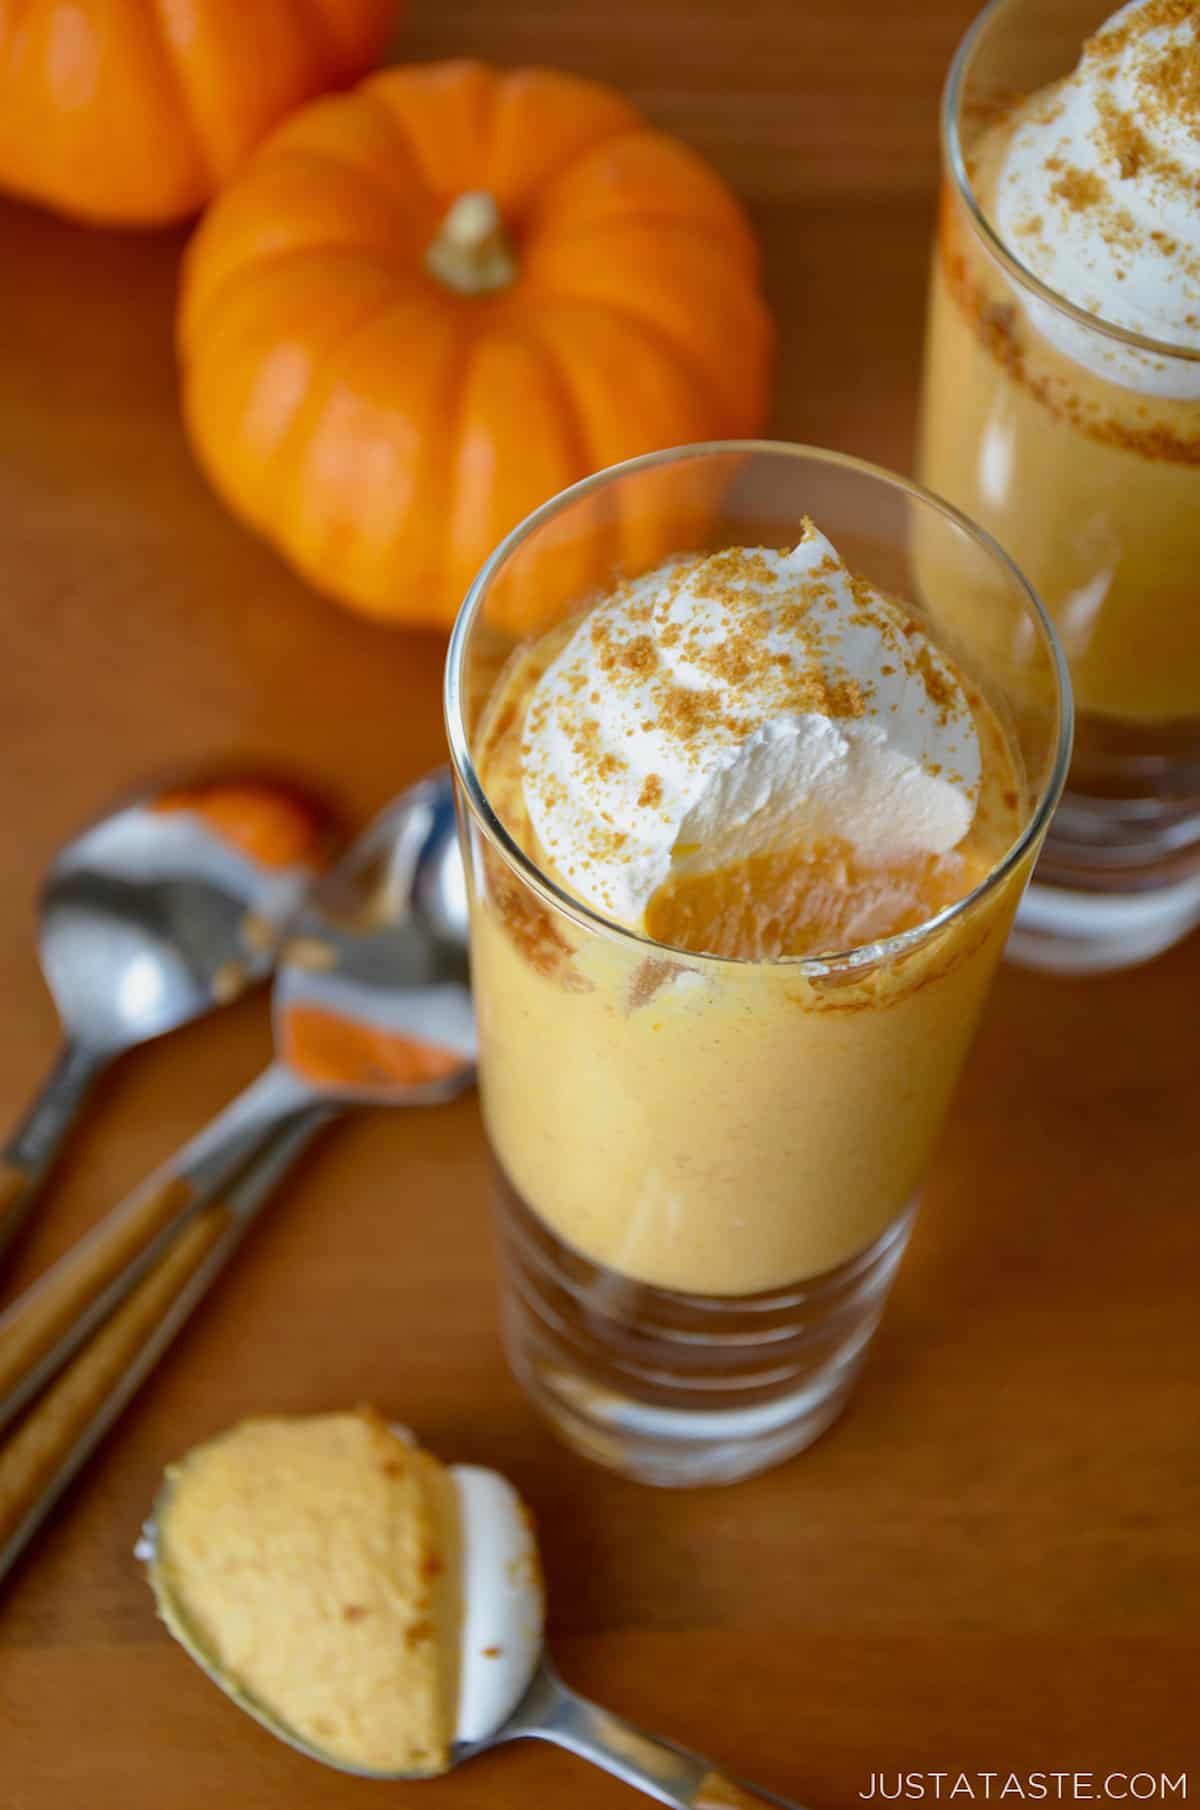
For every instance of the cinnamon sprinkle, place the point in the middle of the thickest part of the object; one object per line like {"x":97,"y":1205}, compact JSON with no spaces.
{"x":1173,"y":79}
{"x":939,"y":687}
{"x":1111,"y":44}
{"x":1079,"y":188}
{"x":1124,"y":139}
{"x":998,"y":327}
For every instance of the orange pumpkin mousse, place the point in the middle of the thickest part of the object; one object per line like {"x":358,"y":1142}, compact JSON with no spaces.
{"x":350,"y":1590}
{"x":308,"y":1559}
{"x":757,"y":771}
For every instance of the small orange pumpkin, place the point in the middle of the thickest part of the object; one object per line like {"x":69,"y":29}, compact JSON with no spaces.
{"x":426,"y":306}
{"x":126,"y":112}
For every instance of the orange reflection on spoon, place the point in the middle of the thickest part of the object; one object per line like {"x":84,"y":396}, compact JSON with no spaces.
{"x":262,"y":822}
{"x":330,"y":1050}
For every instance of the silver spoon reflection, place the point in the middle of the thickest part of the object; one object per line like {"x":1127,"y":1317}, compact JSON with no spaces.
{"x":157,"y":914}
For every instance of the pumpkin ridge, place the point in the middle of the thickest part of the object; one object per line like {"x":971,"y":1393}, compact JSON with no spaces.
{"x":368,"y":92}
{"x":281,"y":464}
{"x":343,"y":53}
{"x":553,"y":365}
{"x":14,"y":20}
{"x":318,"y":26}
{"x":663,"y":342}
{"x":378,"y":88}
{"x":570,"y":155}
{"x":204,"y":309}
{"x":159,"y":38}
{"x":591,"y":231}
{"x":10,"y":65}
{"x":308,"y":416}
{"x":712,"y":379}
{"x":320,"y":157}
{"x":725,"y":219}
{"x":319,"y":392}
{"x":456,"y":400}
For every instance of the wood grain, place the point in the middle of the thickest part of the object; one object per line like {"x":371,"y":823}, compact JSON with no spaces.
{"x":791,"y":101}
{"x":991,"y":1561}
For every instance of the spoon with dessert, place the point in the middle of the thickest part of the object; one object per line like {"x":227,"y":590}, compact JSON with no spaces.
{"x":393,"y":1641}
{"x":155,"y":915}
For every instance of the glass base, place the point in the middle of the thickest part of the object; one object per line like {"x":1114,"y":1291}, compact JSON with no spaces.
{"x":1061,"y":930}
{"x":680,"y":1390}
{"x":1118,"y":881}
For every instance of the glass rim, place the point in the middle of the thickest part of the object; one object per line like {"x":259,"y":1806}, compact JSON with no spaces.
{"x":586,"y":916}
{"x":956,"y":163}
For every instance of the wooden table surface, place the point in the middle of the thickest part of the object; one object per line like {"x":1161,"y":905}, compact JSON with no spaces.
{"x":990,"y":1564}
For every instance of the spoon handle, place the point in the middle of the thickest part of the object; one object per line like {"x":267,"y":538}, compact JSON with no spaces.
{"x":716,"y":1792}
{"x":27,"y":1159}
{"x":67,"y":1423}
{"x":55,"y":1316}
{"x":45,"y":1325}
{"x":550,"y":1711}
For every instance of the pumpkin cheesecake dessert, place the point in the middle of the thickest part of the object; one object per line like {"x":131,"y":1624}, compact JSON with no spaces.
{"x":751,"y":756}
{"x":348,"y":1589}
{"x":1062,"y":406}
{"x":772,"y":821}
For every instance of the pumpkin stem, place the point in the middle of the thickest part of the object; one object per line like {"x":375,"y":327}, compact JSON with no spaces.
{"x":471,"y":252}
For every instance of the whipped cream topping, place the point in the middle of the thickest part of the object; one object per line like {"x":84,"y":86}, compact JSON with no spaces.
{"x":746,"y":702}
{"x":502,"y":1605}
{"x":1098,"y":194}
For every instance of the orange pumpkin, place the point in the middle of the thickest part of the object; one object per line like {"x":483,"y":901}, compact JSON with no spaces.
{"x":426,"y":306}
{"x":129,"y":112}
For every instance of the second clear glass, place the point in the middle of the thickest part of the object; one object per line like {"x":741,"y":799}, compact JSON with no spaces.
{"x":1077,"y":444}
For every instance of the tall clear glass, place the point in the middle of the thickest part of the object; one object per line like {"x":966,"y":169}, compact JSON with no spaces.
{"x":705,"y":1170}
{"x":1077,"y":444}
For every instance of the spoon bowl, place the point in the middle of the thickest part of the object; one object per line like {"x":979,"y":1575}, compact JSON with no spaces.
{"x":371,"y":998}
{"x":162,"y":911}
{"x":156,"y":913}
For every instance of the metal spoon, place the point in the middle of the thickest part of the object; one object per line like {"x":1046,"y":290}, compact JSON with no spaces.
{"x":159,"y":913}
{"x":549,"y":1711}
{"x":371,"y":1006}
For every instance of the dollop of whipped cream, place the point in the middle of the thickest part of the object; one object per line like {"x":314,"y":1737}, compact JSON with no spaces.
{"x":1098,"y":193}
{"x":743,"y":703}
{"x":502,"y":1602}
